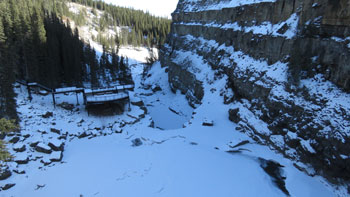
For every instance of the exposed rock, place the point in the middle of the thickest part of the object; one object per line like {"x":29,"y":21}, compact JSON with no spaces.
{"x":11,"y":134}
{"x":14,"y":139}
{"x":151,"y":124}
{"x":4,"y":174}
{"x":137,"y":102}
{"x":145,"y":111}
{"x":283,"y":29}
{"x":146,"y":94}
{"x":56,"y":156}
{"x":21,"y":159}
{"x":39,"y":186}
{"x":8,"y":186}
{"x":136,"y":142}
{"x":26,"y":135}
{"x":34,"y":143}
{"x":19,"y":171}
{"x":275,"y":171}
{"x":63,"y":137}
{"x":234,"y":115}
{"x":53,"y":130}
{"x":47,"y":115}
{"x":42,"y":132}
{"x":116,"y":128}
{"x":156,"y":88}
{"x":82,"y":135}
{"x":19,"y":147}
{"x":45,"y":161}
{"x":208,"y":123}
{"x":240,"y":144}
{"x":66,"y":106}
{"x":56,"y":145}
{"x":174,"y":111}
{"x":43,"y":148}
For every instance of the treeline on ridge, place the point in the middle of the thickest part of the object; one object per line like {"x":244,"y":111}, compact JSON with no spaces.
{"x":143,"y":29}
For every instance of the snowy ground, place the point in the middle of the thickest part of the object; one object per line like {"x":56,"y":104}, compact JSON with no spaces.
{"x":179,"y":158}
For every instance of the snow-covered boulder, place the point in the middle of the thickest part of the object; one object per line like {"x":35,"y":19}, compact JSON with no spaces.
{"x":83,"y":134}
{"x":66,"y":106}
{"x":53,"y":130}
{"x":47,"y":115}
{"x":234,"y":115}
{"x":21,"y":159}
{"x":137,"y":101}
{"x":14,"y":139}
{"x":56,"y":156}
{"x":116,"y":128}
{"x":43,"y":148}
{"x":19,"y":147}
{"x":34,"y":143}
{"x":5,"y":173}
{"x":45,"y":161}
{"x":136,"y":142}
{"x":207,"y":122}
{"x":156,"y":88}
{"x":56,"y":145}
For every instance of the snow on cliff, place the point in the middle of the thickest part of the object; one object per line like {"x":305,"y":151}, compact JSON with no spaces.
{"x":199,"y":5}
{"x":177,"y":161}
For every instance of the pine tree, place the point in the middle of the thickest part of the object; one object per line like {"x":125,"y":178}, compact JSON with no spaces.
{"x":114,"y":64}
{"x":7,"y":78}
{"x":93,"y":69}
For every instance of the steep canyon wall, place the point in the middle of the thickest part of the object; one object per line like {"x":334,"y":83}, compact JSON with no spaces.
{"x":289,"y":59}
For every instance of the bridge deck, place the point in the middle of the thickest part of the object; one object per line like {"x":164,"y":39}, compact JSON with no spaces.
{"x":91,"y":96}
{"x":98,"y":99}
{"x":68,"y":90}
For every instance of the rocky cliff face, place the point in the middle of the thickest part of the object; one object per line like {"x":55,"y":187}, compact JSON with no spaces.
{"x":288,"y":62}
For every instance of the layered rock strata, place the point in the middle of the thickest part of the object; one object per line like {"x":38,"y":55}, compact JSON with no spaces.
{"x":288,"y":62}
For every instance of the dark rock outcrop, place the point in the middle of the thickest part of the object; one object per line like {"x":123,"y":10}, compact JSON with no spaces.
{"x":136,"y":142}
{"x":47,"y":115}
{"x":56,"y":145}
{"x":20,"y":148}
{"x":14,"y":139}
{"x":22,"y":160}
{"x":4,"y":174}
{"x":275,"y":171}
{"x":53,"y":130}
{"x":43,"y":148}
{"x":8,"y":186}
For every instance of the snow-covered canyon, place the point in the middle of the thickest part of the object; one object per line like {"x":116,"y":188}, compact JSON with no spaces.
{"x":186,"y":153}
{"x":218,"y":115}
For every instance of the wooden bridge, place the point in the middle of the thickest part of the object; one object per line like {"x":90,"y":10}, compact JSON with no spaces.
{"x":91,"y":96}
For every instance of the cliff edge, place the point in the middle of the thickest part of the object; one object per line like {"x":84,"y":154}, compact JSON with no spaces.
{"x":288,"y":64}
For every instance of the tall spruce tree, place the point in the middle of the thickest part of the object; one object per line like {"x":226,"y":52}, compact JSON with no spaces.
{"x":7,"y":77}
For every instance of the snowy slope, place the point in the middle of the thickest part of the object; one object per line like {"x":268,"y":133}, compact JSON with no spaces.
{"x":155,"y":7}
{"x":190,"y":161}
{"x":202,"y":5}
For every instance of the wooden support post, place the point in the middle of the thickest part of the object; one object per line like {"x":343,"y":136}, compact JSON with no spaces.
{"x":84,"y":97}
{"x":76,"y":94}
{"x":53,"y":99}
{"x":29,"y":93}
{"x":129,"y":101}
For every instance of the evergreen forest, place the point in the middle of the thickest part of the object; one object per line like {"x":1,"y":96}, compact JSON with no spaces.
{"x":37,"y":44}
